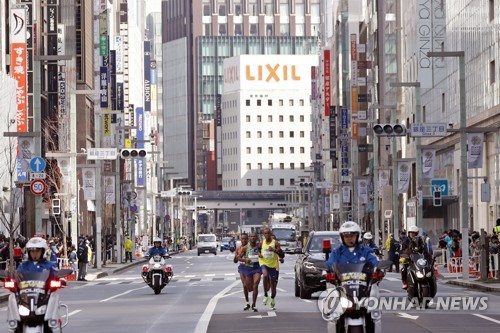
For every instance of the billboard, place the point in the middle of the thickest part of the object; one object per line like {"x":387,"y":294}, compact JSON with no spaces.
{"x":264,"y":72}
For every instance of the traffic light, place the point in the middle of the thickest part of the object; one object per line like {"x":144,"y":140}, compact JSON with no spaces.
{"x":281,"y":205}
{"x":436,"y":198}
{"x":184,"y":192}
{"x":306,"y":184}
{"x":56,"y":206}
{"x":389,"y":130}
{"x":133,"y":153}
{"x":200,"y":207}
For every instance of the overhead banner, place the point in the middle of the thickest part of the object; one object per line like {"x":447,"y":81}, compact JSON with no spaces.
{"x":18,"y":64}
{"x":383,"y":179}
{"x":346,"y":194}
{"x":428,"y":163}
{"x":327,"y":81}
{"x":475,"y":152}
{"x":109,"y":189}
{"x":404,"y":176}
{"x":147,"y":76}
{"x":362,"y":187}
{"x":139,"y":116}
{"x":88,"y":183}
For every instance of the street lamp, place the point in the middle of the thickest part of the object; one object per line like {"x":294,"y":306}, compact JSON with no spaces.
{"x":463,"y":155}
{"x":418,"y":156}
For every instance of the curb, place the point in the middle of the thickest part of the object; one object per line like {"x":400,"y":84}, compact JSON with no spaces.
{"x":472,"y":285}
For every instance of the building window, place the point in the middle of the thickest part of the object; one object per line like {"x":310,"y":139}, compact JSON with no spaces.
{"x":259,"y":102}
{"x":492,"y":72}
{"x":259,"y":182}
{"x":271,"y":182}
{"x":292,"y":181}
{"x":270,"y":118}
{"x":238,"y":29}
{"x":282,"y":150}
{"x":253,"y":29}
{"x":291,"y":119}
{"x":247,"y":119}
{"x":291,"y":134}
{"x":302,"y":150}
{"x":207,"y":29}
{"x":206,"y":10}
{"x":282,"y":166}
{"x":282,"y":181}
{"x":292,"y":150}
{"x":270,"y":166}
{"x":249,"y":182}
{"x":237,"y":9}
{"x":259,"y":166}
{"x":270,"y":134}
{"x":292,"y":166}
{"x":280,"y":102}
{"x":259,"y":134}
{"x":269,"y":102}
{"x":281,"y":119}
{"x":290,"y":102}
{"x":249,"y":166}
{"x":269,"y":29}
{"x":248,"y":134}
{"x":301,"y":118}
{"x":492,"y":10}
{"x":249,"y":150}
{"x":270,"y":150}
{"x":222,"y":29}
{"x":282,"y":134}
{"x":247,"y":102}
{"x":443,"y":103}
{"x":259,"y":150}
{"x":259,"y":119}
{"x":301,"y":102}
{"x":284,"y":29}
{"x":424,"y":117}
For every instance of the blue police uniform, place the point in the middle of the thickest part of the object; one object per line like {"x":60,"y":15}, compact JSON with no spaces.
{"x":30,"y":266}
{"x":157,"y":251}
{"x":360,"y":255}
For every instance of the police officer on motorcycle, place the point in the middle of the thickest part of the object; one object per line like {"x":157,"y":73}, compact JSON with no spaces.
{"x":352,"y":250}
{"x":412,"y":244}
{"x":157,"y":248}
{"x":36,"y":248}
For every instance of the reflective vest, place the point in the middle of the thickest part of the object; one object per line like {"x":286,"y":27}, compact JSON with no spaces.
{"x":496,"y":230}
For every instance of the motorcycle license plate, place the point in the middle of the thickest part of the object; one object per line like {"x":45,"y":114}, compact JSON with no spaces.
{"x":206,"y":251}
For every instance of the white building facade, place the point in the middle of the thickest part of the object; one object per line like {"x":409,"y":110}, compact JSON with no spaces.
{"x":266,"y":121}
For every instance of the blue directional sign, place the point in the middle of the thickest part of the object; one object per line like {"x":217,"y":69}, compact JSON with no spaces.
{"x":37,"y":164}
{"x":440,"y":185}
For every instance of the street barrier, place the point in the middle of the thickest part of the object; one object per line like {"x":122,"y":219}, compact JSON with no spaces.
{"x":63,"y":263}
{"x":455,"y":266}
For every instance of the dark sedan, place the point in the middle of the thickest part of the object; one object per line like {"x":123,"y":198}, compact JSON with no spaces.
{"x":311,"y":263}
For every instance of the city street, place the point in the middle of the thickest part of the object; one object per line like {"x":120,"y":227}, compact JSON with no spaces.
{"x":206,"y":296}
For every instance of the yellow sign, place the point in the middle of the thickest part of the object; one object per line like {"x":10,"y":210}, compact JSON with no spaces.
{"x":276,"y":73}
{"x":107,"y":125}
{"x":128,"y":143}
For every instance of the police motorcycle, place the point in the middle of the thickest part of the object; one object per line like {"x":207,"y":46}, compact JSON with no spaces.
{"x":156,"y":273}
{"x":34,"y":306}
{"x":350,"y":287}
{"x":421,"y":278}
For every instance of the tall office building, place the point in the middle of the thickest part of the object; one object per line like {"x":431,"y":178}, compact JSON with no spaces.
{"x":197,"y":37}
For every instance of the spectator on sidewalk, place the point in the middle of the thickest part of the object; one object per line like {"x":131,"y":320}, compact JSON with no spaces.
{"x":393,"y":248}
{"x":72,"y":259}
{"x":18,"y":254}
{"x":427,"y":243}
{"x":83,"y":259}
{"x":496,"y":229}
{"x":128,"y":249}
{"x":494,"y":250}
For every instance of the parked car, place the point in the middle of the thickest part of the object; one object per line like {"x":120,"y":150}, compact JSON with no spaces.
{"x":224,"y":243}
{"x":311,"y":263}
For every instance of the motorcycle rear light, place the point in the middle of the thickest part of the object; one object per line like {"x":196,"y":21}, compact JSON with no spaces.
{"x":54,"y":284}
{"x":145,"y":268}
{"x":331,"y":277}
{"x":378,"y":275}
{"x":9,"y":284}
{"x":168,"y":269}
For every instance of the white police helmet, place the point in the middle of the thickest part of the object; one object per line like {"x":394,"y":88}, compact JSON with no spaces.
{"x":349,"y":227}
{"x":37,"y":243}
{"x":156,"y":239}
{"x":368,"y":235}
{"x":413,"y":228}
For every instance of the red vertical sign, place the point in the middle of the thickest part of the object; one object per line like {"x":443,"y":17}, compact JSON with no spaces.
{"x":18,"y":68}
{"x":327,"y":85}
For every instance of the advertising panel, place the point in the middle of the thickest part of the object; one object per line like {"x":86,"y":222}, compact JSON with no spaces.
{"x":147,"y":76}
{"x":140,"y":144}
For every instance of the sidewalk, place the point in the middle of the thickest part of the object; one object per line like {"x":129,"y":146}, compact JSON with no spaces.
{"x":92,"y":273}
{"x":490,"y":285}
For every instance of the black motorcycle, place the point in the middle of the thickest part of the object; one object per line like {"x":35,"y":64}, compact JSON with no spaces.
{"x":421,"y":278}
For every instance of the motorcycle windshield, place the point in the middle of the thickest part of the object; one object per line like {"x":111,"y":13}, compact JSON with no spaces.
{"x":32,"y":287}
{"x":355,"y":278}
{"x":156,"y":261}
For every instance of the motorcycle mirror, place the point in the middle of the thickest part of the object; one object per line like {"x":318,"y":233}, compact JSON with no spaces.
{"x":64,"y":272}
{"x":438,"y":254}
{"x":384,"y":264}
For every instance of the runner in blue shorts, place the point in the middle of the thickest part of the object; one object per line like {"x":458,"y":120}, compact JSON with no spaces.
{"x":242,"y":268}
{"x":250,"y":256}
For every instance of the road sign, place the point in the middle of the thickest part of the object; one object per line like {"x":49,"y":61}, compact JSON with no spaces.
{"x":38,"y":187}
{"x":133,"y":195}
{"x":37,"y":175}
{"x":168,"y":194}
{"x":37,"y":164}
{"x":324,"y":185}
{"x":101,"y":154}
{"x":440,"y":185}
{"x":428,"y":129}
{"x":133,"y":209}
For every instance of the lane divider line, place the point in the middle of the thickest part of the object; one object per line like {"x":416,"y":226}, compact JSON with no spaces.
{"x":487,"y":318}
{"x":124,"y":293}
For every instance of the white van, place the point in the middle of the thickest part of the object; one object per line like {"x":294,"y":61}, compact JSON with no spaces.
{"x":207,"y":243}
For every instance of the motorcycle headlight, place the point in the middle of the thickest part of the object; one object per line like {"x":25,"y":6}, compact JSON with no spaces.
{"x":420,"y":275}
{"x":345,"y":303}
{"x":310,"y":266}
{"x":157,"y":266}
{"x":23,"y":311}
{"x":428,"y":274}
{"x":422,"y":262}
{"x":41,"y":310}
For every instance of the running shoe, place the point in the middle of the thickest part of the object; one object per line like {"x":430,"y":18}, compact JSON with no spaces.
{"x":254,"y":309}
{"x":246,"y":308}
{"x":272,"y":304}
{"x":264,"y":301}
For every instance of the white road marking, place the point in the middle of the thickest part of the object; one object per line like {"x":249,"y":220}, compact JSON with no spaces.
{"x":209,"y":274}
{"x":388,"y":291}
{"x":73,"y":312}
{"x":269,"y":314}
{"x":202,"y":325}
{"x":487,"y":318}
{"x":189,"y":276}
{"x":282,"y":290}
{"x":124,"y":293}
{"x":183,"y":272}
{"x":407,"y":315}
{"x":228,"y":274}
{"x":306,"y":300}
{"x":234,"y":292}
{"x":391,"y":279}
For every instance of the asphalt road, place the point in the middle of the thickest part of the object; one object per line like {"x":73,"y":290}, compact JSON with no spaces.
{"x":206,"y":296}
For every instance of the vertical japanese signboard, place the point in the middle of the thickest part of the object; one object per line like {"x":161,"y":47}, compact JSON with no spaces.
{"x":140,"y":144}
{"x":327,"y":81}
